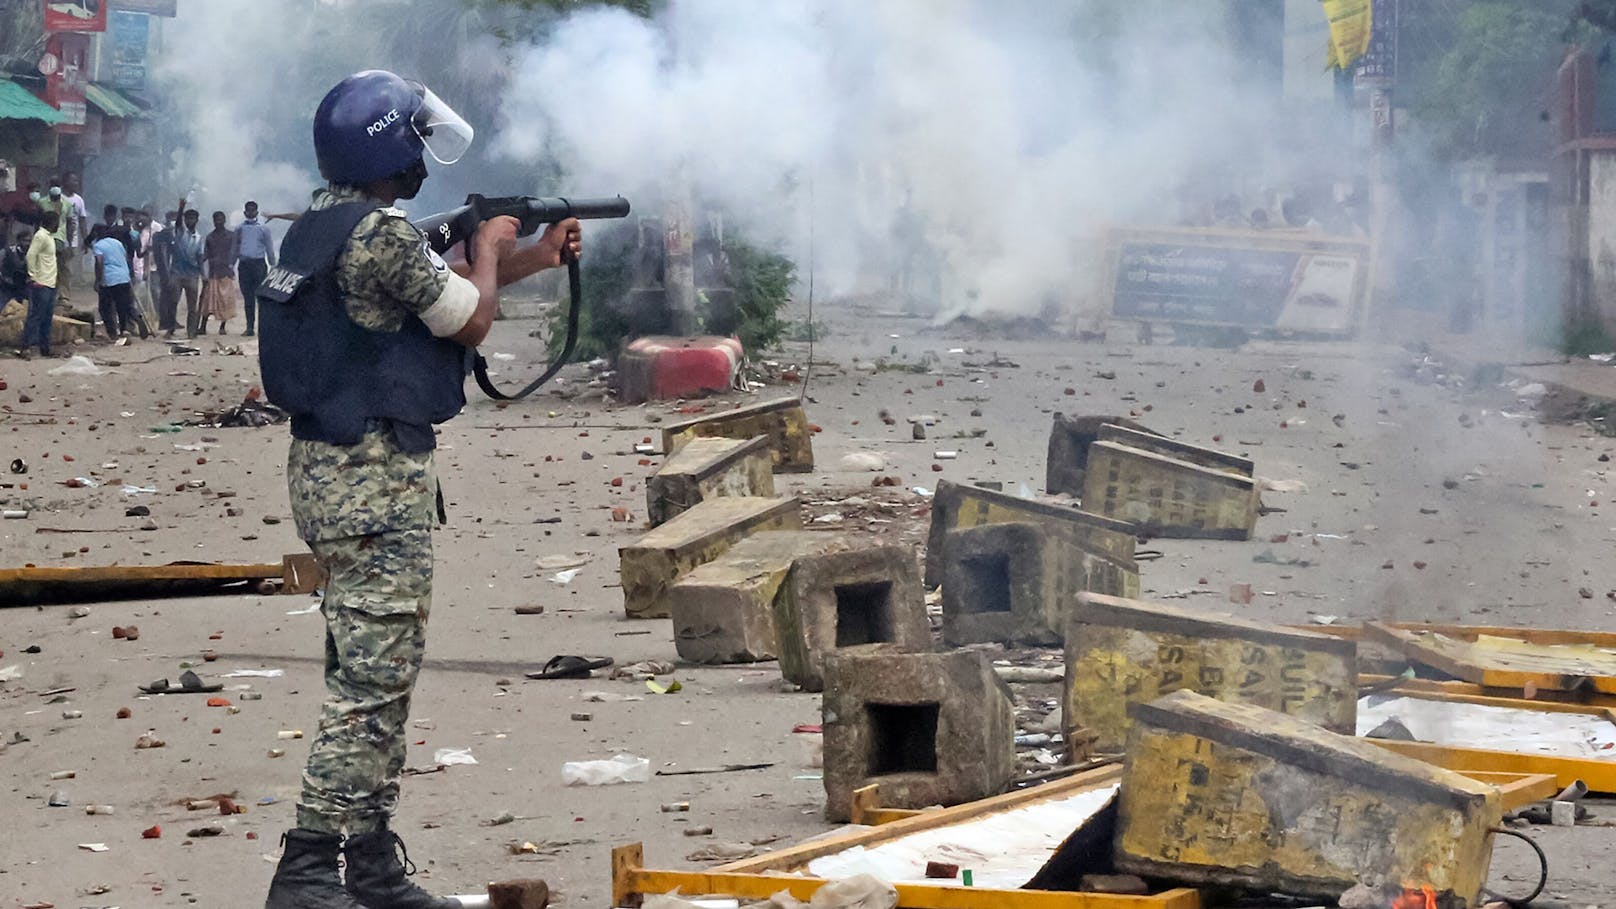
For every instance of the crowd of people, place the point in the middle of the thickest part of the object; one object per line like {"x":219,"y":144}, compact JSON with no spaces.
{"x":141,"y":267}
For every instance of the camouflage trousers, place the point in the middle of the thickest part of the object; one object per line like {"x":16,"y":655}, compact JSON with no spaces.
{"x":377,"y":597}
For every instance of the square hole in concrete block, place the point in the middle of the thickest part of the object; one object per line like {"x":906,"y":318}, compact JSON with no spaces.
{"x":988,"y":584}
{"x":903,"y":738}
{"x":864,"y":613}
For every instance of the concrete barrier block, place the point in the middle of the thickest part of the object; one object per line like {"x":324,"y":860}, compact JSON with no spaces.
{"x":930,"y":728}
{"x":723,"y":611}
{"x":699,"y":535}
{"x":1134,"y":436}
{"x":1121,"y":652}
{"x":1168,"y":497}
{"x":782,"y":420}
{"x":1068,"y":454}
{"x":847,"y":599}
{"x":707,"y":468}
{"x":662,"y":368}
{"x":955,"y":506}
{"x":1011,"y":583}
{"x":1215,"y":793}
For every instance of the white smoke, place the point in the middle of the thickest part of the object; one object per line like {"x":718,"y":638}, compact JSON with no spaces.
{"x":1006,"y":134}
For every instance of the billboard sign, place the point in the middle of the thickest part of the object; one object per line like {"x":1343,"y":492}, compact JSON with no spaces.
{"x":75,"y":15}
{"x":1280,"y":280}
{"x":129,"y":33}
{"x":165,"y":8}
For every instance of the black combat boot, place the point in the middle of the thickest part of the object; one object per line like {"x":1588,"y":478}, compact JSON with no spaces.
{"x":378,"y":869}
{"x":307,"y":877}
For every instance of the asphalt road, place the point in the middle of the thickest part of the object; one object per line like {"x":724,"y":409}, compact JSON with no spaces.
{"x":1409,"y":498}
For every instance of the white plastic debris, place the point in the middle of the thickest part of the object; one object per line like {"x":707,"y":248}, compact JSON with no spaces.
{"x":255,"y":674}
{"x":607,"y":697}
{"x":77,"y":365}
{"x":564,"y":577}
{"x":313,"y":607}
{"x":10,"y":673}
{"x":622,"y":768}
{"x":451,"y":756}
{"x":131,"y":490}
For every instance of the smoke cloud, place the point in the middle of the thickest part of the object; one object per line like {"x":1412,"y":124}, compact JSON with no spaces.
{"x":964,"y":154}
{"x":968,"y":150}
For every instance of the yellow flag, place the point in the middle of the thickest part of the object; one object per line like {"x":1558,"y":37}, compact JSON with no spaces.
{"x":1350,"y":22}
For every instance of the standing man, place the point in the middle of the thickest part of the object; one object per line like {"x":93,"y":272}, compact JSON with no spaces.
{"x":14,"y":270}
{"x":255,"y":249}
{"x":186,"y":267}
{"x":74,"y":232}
{"x":113,"y":277}
{"x":41,"y":286}
{"x":138,"y":223}
{"x":168,"y":288}
{"x":365,"y":338}
{"x":219,"y":290}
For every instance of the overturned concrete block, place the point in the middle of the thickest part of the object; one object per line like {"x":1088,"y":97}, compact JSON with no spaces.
{"x":707,"y":468}
{"x":1210,"y":458}
{"x":696,"y":537}
{"x":1011,"y":583}
{"x":1122,"y":652}
{"x":930,"y":728}
{"x":723,"y":611}
{"x":1233,"y":795}
{"x":954,"y":507}
{"x":1167,"y":497}
{"x":662,"y":368}
{"x":847,"y":599}
{"x":64,"y":329}
{"x":1068,"y":456}
{"x":783,"y":421}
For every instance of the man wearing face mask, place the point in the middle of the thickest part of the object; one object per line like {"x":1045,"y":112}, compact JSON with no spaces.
{"x":365,"y":336}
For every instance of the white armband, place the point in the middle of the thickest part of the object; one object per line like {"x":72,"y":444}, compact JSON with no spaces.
{"x":453,"y":308}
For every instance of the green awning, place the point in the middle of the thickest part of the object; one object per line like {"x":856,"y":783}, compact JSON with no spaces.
{"x":18,"y":103}
{"x":112,"y":103}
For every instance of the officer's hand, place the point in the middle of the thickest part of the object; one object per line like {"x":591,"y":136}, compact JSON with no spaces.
{"x":496,"y":237}
{"x":561,"y":242}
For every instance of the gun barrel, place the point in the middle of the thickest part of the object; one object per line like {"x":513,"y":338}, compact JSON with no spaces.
{"x":551,"y":210}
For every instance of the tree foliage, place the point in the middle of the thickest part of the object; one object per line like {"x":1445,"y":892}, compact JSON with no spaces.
{"x":1480,"y":74}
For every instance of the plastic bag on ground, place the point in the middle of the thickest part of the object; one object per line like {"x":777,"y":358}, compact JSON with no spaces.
{"x":77,"y":366}
{"x":622,"y":768}
{"x":861,"y":891}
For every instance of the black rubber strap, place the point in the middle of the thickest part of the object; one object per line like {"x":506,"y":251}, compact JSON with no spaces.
{"x":479,"y":366}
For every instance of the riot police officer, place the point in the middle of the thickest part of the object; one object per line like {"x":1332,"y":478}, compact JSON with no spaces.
{"x":366,"y":338}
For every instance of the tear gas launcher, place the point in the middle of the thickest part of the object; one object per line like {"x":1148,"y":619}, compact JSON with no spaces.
{"x":446,"y":229}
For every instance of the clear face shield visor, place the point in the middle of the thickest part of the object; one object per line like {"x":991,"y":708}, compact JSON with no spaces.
{"x":445,"y":133}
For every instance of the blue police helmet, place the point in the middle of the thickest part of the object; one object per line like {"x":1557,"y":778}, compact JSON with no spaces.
{"x":375,"y":124}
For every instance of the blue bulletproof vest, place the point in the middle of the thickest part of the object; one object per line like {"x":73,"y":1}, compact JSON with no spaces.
{"x":334,"y":376}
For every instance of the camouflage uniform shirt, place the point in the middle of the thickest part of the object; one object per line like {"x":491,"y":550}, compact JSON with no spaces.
{"x":387,"y":274}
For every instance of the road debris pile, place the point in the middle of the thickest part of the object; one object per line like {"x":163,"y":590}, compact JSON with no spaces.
{"x":1241,"y":761}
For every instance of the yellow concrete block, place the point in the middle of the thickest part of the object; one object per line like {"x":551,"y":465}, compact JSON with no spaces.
{"x":1068,"y":455}
{"x":706,"y":468}
{"x":697,"y":536}
{"x":723,"y":611}
{"x":954,"y":507}
{"x":64,"y":330}
{"x":1210,"y":458}
{"x":1168,"y":497}
{"x":1123,"y":652}
{"x":1229,"y":794}
{"x":782,"y":420}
